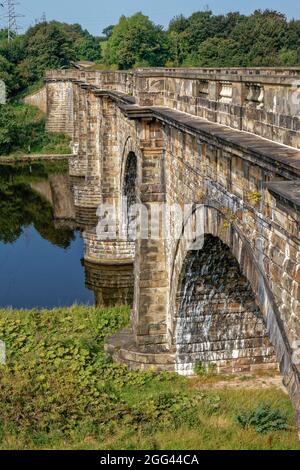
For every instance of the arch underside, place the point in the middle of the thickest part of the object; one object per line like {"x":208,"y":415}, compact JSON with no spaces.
{"x":129,"y":190}
{"x":217,"y":321}
{"x":264,"y":317}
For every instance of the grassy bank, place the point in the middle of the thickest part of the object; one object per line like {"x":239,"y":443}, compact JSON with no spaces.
{"x":59,"y":390}
{"x":22,"y":131}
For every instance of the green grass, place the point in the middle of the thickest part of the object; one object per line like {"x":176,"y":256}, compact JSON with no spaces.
{"x":58,"y":390}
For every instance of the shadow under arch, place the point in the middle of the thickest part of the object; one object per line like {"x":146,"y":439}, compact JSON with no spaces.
{"x":130,"y":147}
{"x":215,"y":224}
{"x":130,"y":176}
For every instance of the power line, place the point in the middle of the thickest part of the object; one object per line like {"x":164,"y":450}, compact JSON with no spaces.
{"x":11,"y":15}
{"x":42,"y":19}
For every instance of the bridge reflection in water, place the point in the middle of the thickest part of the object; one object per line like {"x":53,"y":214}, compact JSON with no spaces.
{"x":112,"y":284}
{"x":41,"y":244}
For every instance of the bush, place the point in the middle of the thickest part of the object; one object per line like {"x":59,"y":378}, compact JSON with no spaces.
{"x":59,"y":389}
{"x":22,"y":129}
{"x":264,"y":419}
{"x":204,"y":370}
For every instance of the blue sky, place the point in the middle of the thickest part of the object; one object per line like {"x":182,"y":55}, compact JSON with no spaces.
{"x":96,"y":14}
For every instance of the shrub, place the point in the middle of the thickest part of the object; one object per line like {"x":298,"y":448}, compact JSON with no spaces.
{"x":264,"y":419}
{"x":201,"y":369}
{"x":22,"y":129}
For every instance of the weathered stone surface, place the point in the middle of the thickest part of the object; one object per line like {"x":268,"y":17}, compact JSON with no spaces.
{"x":217,"y":320}
{"x":228,"y":139}
{"x":38,"y":99}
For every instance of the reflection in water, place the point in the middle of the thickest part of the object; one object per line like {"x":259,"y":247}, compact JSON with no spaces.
{"x":85,"y":217}
{"x":41,"y":244}
{"x":112,"y":285}
{"x":22,"y":206}
{"x":36,"y":273}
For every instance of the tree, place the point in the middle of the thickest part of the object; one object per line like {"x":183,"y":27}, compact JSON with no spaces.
{"x":108,"y":31}
{"x":178,"y":24}
{"x":261,"y":36}
{"x":187,"y":34}
{"x":217,"y":52}
{"x":8,"y":128}
{"x":85,"y":45}
{"x":48,"y":46}
{"x":293,"y":35}
{"x":136,"y":41}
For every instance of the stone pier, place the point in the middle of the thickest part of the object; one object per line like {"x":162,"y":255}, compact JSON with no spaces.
{"x":223,"y":141}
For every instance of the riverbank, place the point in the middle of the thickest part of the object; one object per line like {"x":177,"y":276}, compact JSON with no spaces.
{"x":23,"y":130}
{"x":38,"y":158}
{"x":58,"y":390}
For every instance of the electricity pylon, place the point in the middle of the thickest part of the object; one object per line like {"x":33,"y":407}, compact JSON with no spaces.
{"x":11,"y":15}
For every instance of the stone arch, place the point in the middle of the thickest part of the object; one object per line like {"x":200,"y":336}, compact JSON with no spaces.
{"x":217,"y":320}
{"x":216,"y":225}
{"x":130,"y":176}
{"x":130,"y":146}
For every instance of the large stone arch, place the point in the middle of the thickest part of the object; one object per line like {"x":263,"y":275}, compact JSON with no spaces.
{"x":217,"y":225}
{"x":131,"y":161}
{"x":130,"y":146}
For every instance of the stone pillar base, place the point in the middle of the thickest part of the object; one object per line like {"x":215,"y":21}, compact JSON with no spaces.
{"x":107,"y":251}
{"x":78,"y":166}
{"x":86,"y":217}
{"x":88,"y":195}
{"x":76,"y":181}
{"x":122,"y":348}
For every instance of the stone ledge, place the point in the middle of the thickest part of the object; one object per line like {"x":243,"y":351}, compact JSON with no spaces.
{"x":122,"y":348}
{"x":287,"y":192}
{"x":109,"y":262}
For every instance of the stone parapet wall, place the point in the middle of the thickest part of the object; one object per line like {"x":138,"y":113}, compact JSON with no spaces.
{"x":38,"y":99}
{"x":263,"y":101}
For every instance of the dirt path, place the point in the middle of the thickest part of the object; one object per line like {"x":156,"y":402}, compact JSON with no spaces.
{"x":241,"y":382}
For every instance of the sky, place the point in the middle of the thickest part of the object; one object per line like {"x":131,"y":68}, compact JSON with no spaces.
{"x":95,"y":15}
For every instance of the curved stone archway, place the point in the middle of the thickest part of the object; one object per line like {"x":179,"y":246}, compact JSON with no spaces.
{"x":217,"y":321}
{"x":217,"y":227}
{"x":129,"y":193}
{"x":130,"y":147}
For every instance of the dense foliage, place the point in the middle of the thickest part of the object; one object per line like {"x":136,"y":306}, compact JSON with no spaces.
{"x":136,"y":41}
{"x":44,"y":46}
{"x":264,"y":419}
{"x":60,"y":390}
{"x":22,"y":130}
{"x":264,"y":38}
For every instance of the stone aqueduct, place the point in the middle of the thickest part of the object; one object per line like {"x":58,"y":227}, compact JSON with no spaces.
{"x":226,"y":139}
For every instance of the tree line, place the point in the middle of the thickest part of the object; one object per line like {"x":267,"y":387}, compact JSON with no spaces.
{"x":264,"y":38}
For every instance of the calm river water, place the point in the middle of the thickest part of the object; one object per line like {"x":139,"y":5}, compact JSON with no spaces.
{"x":41,"y":248}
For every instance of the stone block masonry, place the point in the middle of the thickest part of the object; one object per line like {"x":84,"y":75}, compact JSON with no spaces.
{"x":225,"y":139}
